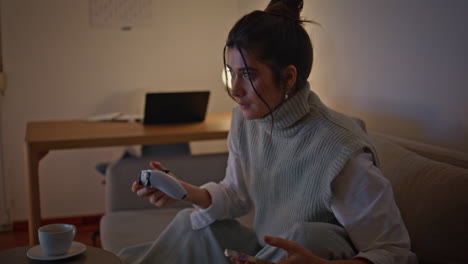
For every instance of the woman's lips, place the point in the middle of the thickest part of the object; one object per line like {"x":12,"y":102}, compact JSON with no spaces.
{"x":243,"y":105}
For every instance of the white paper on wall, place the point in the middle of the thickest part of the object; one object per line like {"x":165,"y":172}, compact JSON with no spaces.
{"x":123,"y":14}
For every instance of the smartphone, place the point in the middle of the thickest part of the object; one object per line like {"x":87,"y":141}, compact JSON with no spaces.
{"x":244,"y":257}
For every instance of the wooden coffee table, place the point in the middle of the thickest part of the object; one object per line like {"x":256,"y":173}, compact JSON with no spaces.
{"x":92,"y":255}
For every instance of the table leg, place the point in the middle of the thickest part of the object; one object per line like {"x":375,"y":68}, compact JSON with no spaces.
{"x":34,"y":202}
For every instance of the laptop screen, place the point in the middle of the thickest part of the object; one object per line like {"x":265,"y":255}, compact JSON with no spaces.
{"x":175,"y":107}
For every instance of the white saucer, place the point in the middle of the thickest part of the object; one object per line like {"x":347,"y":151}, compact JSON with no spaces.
{"x":37,"y":253}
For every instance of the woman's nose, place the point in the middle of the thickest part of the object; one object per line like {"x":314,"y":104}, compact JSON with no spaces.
{"x":237,"y":89}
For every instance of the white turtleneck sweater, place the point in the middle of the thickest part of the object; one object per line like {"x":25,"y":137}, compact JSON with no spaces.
{"x":316,"y":166}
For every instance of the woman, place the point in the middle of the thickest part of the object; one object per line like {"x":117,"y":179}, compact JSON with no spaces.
{"x":309,"y":173}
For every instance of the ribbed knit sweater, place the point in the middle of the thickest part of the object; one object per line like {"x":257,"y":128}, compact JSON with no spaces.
{"x":288,"y":169}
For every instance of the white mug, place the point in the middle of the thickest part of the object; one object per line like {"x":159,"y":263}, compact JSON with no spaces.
{"x":56,"y":239}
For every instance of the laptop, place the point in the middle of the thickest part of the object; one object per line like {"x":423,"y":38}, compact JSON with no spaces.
{"x":175,"y":107}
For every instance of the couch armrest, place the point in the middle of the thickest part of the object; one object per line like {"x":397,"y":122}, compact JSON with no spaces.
{"x":431,"y":196}
{"x":194,"y":169}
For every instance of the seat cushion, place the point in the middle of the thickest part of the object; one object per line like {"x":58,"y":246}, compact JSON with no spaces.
{"x":433,"y":200}
{"x":127,"y":228}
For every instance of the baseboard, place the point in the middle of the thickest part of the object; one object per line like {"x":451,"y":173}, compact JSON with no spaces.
{"x":82,"y":220}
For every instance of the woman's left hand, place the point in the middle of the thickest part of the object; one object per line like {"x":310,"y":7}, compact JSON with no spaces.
{"x":295,"y":252}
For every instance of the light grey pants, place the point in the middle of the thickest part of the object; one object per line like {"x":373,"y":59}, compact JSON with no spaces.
{"x":180,"y":244}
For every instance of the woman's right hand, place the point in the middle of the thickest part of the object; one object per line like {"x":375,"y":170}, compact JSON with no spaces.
{"x":195,"y":194}
{"x":155,"y":196}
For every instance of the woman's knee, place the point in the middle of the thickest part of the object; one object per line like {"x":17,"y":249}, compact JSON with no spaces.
{"x":184,"y":214}
{"x":181,"y":221}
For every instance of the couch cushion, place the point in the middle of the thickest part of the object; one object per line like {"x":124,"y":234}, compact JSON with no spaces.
{"x":433,"y":200}
{"x":127,"y":228}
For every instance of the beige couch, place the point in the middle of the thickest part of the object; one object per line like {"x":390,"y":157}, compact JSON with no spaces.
{"x":430,"y":188}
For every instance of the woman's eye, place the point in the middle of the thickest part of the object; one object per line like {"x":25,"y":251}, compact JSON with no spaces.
{"x":247,"y":75}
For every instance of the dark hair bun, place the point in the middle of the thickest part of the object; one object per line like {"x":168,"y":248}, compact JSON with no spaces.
{"x":286,"y":8}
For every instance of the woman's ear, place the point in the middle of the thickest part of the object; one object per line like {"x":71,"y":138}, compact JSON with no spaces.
{"x":290,"y":74}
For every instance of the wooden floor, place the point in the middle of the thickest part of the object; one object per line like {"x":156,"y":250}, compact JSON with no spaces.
{"x":19,"y":238}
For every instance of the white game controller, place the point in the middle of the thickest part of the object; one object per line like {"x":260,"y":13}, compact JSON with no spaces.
{"x":162,"y":181}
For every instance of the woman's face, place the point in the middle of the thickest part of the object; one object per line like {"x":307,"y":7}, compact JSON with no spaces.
{"x":251,"y":105}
